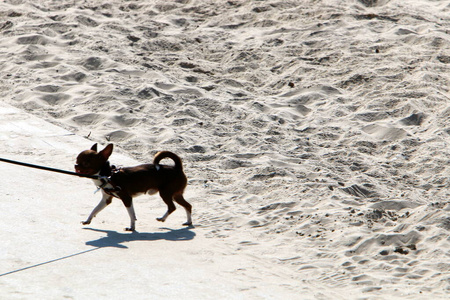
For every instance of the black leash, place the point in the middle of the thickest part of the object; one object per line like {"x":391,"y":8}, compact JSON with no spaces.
{"x":49,"y":169}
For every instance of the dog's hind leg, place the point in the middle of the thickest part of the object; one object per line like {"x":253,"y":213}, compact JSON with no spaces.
{"x":167,"y":197}
{"x":180,"y":200}
{"x":106,"y":200}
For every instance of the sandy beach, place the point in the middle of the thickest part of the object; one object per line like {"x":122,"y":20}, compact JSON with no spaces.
{"x":315,"y":136}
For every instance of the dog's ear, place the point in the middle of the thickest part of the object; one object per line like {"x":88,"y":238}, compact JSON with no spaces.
{"x":106,"y":153}
{"x":94,"y":147}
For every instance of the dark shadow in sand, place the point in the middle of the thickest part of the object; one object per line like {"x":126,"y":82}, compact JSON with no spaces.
{"x":116,"y":239}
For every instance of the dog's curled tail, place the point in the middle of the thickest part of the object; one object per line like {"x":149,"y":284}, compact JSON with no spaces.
{"x":167,"y":154}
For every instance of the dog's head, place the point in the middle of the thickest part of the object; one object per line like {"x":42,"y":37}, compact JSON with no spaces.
{"x":90,"y":162}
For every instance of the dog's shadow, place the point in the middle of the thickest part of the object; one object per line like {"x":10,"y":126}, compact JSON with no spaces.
{"x":116,"y":239}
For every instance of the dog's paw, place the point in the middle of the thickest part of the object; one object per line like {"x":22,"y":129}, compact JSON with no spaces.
{"x":160,"y":219}
{"x":130,"y":229}
{"x":86,"y":222}
{"x":187,"y":224}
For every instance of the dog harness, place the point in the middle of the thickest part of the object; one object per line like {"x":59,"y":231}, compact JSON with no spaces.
{"x":108,"y":185}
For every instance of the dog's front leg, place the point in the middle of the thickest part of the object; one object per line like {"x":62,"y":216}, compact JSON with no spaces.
{"x":132,"y":215}
{"x":128,"y":202}
{"x":106,"y":200}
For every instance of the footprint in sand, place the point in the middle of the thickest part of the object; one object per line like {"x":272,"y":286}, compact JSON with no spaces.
{"x":385,"y":133}
{"x":33,"y":40}
{"x":56,"y":99}
{"x":74,"y":76}
{"x":118,"y":135}
{"x":87,"y":119}
{"x":413,"y":120}
{"x":93,"y":63}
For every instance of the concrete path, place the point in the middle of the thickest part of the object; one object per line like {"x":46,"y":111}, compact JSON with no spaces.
{"x":46,"y":253}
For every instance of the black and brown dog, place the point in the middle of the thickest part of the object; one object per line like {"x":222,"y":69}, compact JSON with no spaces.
{"x":126,"y":183}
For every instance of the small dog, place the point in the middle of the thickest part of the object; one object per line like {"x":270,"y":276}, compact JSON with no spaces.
{"x":126,"y":183}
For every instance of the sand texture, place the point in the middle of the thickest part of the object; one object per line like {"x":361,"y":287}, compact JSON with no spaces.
{"x":315,"y":134}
